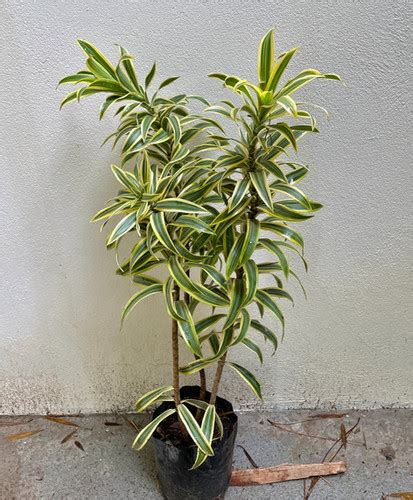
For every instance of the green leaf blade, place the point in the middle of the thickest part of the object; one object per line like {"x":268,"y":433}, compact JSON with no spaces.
{"x":151,"y":397}
{"x":146,"y":433}
{"x":249,"y":378}
{"x":137,"y":297}
{"x":194,"y":430}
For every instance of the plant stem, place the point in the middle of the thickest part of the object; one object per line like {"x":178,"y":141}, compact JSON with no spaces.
{"x":202,"y":376}
{"x":217,"y":379}
{"x":175,"y":353}
{"x":202,"y":380}
{"x":175,"y":363}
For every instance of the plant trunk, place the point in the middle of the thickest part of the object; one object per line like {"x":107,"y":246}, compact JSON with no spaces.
{"x":175,"y":353}
{"x":217,"y":379}
{"x":175,"y":362}
{"x":202,"y":376}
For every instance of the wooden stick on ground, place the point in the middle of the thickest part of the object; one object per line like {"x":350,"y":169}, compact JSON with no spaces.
{"x":284,"y":472}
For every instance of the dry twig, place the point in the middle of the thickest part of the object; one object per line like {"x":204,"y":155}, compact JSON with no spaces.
{"x":284,"y":472}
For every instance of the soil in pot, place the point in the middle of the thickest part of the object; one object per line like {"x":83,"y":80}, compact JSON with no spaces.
{"x":176,"y":454}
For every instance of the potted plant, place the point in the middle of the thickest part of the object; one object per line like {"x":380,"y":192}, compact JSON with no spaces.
{"x":199,"y":203}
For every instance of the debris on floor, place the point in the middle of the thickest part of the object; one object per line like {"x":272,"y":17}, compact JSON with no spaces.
{"x":376,"y":445}
{"x":284,"y":472}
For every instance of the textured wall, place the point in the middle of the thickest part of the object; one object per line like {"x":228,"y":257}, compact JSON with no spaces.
{"x":349,"y":345}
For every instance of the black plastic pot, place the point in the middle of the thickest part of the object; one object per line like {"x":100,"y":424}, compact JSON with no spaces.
{"x":211,"y":479}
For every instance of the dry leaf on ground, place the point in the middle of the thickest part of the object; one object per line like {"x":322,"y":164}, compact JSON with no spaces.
{"x":61,"y":420}
{"x":66,"y":438}
{"x":23,"y":435}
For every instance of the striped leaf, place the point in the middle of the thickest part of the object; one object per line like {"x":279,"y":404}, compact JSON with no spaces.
{"x":237,"y":300}
{"x":287,"y":103}
{"x":179,"y":205}
{"x":105,"y":85}
{"x":97,"y":69}
{"x":187,"y":328}
{"x":199,"y":292}
{"x":297,"y":174}
{"x":112,"y":209}
{"x":106,"y":104}
{"x":133,"y":138}
{"x":159,"y":228}
{"x":285,"y":130}
{"x":204,"y":406}
{"x":274,"y":248}
{"x":192,"y":222}
{"x":252,"y":346}
{"x":205,"y":323}
{"x":176,"y":128}
{"x":142,"y":294}
{"x":234,"y":257}
{"x":248,"y":377}
{"x":273,"y":168}
{"x":124,"y":226}
{"x":279,"y":69}
{"x":260,"y":182}
{"x":227,"y":213}
{"x":145,"y":125}
{"x":251,"y":280}
{"x":213,"y":273}
{"x":266,"y":59}
{"x":268,"y":334}
{"x":250,"y":240}
{"x":197,"y":365}
{"x":294,"y":249}
{"x":126,"y":179}
{"x":179,"y":153}
{"x":265,"y":299}
{"x":295,"y":205}
{"x":146,"y":280}
{"x":194,"y":430}
{"x":138,"y":254}
{"x":304,"y":78}
{"x":123,"y":79}
{"x":157,"y":138}
{"x":281,"y":212}
{"x":81,"y":76}
{"x":151,"y":397}
{"x":293,"y":192}
{"x":150,"y":75}
{"x":283,"y":230}
{"x":198,"y":403}
{"x":91,"y":51}
{"x":200,"y":364}
{"x":278,"y":292}
{"x":145,"y":434}
{"x":129,"y":67}
{"x":188,"y":256}
{"x":169,"y":300}
{"x":207,"y":427}
{"x":243,"y":327}
{"x":240,"y":191}
{"x":228,"y":241}
{"x":167,"y":81}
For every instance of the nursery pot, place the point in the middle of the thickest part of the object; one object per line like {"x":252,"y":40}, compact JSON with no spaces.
{"x":174,"y":458}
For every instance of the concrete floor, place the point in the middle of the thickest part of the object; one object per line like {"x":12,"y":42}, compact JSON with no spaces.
{"x":40,"y":466}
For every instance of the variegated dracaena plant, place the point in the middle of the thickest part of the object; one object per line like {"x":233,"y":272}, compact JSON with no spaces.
{"x":204,"y":216}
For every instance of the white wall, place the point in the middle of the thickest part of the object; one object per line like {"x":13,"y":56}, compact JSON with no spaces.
{"x":350,"y":344}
